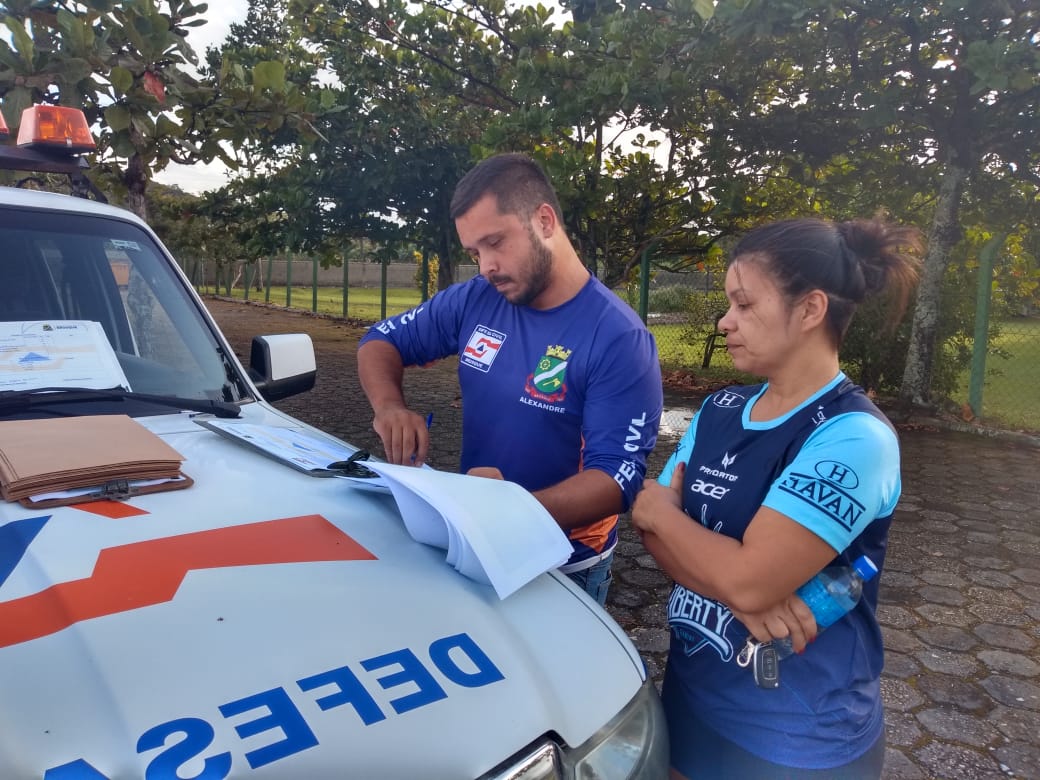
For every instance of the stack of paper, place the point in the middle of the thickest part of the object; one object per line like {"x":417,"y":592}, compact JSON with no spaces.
{"x":292,"y":446}
{"x":494,"y":531}
{"x":37,"y":456}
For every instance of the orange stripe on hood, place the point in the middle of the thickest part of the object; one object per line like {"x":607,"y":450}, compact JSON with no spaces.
{"x":145,"y":573}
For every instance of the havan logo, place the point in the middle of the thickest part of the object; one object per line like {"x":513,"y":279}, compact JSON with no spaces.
{"x":828,"y":496}
{"x":838,"y":473}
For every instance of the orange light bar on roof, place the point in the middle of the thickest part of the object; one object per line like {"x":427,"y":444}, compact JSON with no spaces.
{"x":55,"y":126}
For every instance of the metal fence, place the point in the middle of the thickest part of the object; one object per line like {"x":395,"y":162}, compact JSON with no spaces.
{"x":998,"y":355}
{"x":994,"y":359}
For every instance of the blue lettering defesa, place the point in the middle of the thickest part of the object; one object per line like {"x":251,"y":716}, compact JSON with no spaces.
{"x":198,"y":735}
{"x":458,"y":658}
{"x":283,"y":715}
{"x":412,"y":671}
{"x":349,"y":691}
{"x":74,"y":770}
{"x":484,"y":672}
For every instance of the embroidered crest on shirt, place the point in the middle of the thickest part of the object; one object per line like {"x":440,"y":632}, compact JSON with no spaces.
{"x":482,"y":348}
{"x":548,"y":381}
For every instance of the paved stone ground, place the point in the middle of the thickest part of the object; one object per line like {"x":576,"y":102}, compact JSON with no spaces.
{"x":960,"y":595}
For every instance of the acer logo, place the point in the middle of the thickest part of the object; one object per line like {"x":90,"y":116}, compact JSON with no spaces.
{"x":708,"y":489}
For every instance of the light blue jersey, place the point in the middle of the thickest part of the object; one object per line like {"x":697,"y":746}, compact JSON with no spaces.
{"x":831,"y":465}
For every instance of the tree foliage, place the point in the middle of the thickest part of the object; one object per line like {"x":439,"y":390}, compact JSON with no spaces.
{"x":668,"y":126}
{"x":131,"y":68}
{"x":949,"y":89}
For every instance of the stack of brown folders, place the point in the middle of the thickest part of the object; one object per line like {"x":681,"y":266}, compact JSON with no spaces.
{"x":106,"y":452}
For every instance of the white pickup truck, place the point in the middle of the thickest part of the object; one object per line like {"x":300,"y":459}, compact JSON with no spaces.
{"x":260,"y":623}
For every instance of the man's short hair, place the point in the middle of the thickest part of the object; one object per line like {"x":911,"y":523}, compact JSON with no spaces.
{"x":518,"y":183}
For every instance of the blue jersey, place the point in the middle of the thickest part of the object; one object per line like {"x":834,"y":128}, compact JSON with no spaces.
{"x":831,"y":465}
{"x":545,"y":394}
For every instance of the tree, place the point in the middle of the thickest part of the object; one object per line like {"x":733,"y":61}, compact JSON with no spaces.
{"x":415,"y":86}
{"x":425,"y":90}
{"x":129,"y":66}
{"x":952,"y":89}
{"x":191,"y":235}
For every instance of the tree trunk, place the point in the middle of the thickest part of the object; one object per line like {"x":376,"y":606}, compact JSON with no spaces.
{"x":920,"y":358}
{"x":136,"y":180}
{"x":258,"y":280}
{"x":446,"y":258}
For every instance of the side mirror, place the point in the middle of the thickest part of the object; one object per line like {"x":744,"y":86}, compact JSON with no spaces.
{"x":283,"y":365}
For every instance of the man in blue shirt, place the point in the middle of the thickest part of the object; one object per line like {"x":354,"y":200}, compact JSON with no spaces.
{"x":561,"y":384}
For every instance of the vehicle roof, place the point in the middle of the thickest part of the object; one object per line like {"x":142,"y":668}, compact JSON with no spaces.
{"x":49,"y":201}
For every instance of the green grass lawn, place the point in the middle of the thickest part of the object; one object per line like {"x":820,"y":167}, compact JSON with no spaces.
{"x":1010,"y":395}
{"x":363,"y":303}
{"x":1010,"y":398}
{"x":679,"y":348}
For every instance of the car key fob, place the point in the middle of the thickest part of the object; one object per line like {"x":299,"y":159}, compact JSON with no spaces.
{"x":767,"y":667}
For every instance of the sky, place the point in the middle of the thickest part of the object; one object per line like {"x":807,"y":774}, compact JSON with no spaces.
{"x":219,"y":17}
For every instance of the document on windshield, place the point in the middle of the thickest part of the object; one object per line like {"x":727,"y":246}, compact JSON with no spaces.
{"x":493,"y":531}
{"x":56,"y":354}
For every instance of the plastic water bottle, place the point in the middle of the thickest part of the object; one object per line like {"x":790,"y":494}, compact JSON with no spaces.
{"x":830,"y":595}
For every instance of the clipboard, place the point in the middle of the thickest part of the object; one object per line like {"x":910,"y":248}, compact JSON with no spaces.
{"x":300,"y":450}
{"x":67,"y":458}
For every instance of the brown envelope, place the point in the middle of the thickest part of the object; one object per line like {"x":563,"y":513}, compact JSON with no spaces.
{"x":62,"y":453}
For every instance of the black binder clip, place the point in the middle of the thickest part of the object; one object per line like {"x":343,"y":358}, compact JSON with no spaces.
{"x":115,"y":490}
{"x":351,"y":467}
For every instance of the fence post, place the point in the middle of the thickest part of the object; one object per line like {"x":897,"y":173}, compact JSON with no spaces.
{"x":382,"y":288}
{"x":288,"y":280}
{"x":346,"y":283}
{"x":425,"y":274}
{"x":267,"y":288}
{"x":248,"y":279}
{"x":987,"y":256}
{"x":644,"y":283}
{"x":314,"y":285}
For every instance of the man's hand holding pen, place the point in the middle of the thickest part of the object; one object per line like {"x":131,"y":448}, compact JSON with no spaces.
{"x":405,"y":435}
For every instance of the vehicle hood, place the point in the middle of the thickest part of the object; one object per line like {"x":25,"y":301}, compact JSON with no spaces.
{"x":267,"y":623}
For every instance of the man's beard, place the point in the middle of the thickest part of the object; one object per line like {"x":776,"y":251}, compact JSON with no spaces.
{"x":535,"y":278}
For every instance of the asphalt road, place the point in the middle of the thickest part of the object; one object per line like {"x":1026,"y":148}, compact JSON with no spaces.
{"x":960,"y":595}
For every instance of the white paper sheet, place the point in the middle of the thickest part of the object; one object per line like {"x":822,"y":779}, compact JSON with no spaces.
{"x":58,"y":353}
{"x":493,"y":531}
{"x":132,"y":483}
{"x":293,"y":447}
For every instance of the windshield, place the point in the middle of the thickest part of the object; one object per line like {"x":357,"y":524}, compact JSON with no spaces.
{"x":91,"y":302}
